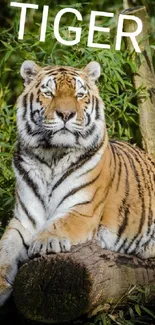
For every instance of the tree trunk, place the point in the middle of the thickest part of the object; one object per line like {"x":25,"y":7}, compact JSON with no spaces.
{"x":145,"y":77}
{"x":87,"y":280}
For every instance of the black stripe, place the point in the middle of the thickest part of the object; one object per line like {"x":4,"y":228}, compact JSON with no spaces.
{"x":97,"y":109}
{"x":38,"y":100}
{"x":34,"y":132}
{"x":95,"y":141}
{"x":132,"y":166}
{"x":99,"y":203}
{"x":37,"y":85}
{"x":26,"y":211}
{"x":42,"y":87}
{"x":115,"y":155}
{"x":88,"y":119}
{"x":123,"y":225}
{"x":114,"y":159}
{"x":48,"y":67}
{"x":31,"y":100}
{"x":31,"y":108}
{"x":63,"y":72}
{"x":77,"y":135}
{"x":92,"y":104}
{"x":137,"y":153}
{"x":76,"y":165}
{"x":77,"y":189}
{"x":140,"y":191}
{"x":124,"y":206}
{"x":21,"y":236}
{"x":122,"y":245}
{"x":80,"y":214}
{"x":41,"y":160}
{"x":150,"y":213}
{"x":89,"y":131}
{"x":88,"y":86}
{"x":91,"y":169}
{"x":126,"y":250}
{"x":25,"y":106}
{"x":119,"y":171}
{"x":124,"y":200}
{"x":29,"y":128}
{"x":151,"y":161}
{"x":85,"y":203}
{"x":138,"y":241}
{"x":133,"y":251}
{"x":36,"y":116}
{"x":88,"y":98}
{"x":17,"y":162}
{"x":89,"y":201}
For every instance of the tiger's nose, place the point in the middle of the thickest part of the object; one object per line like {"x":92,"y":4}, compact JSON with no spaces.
{"x":65,"y":115}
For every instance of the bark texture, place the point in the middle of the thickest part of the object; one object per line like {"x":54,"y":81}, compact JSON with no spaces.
{"x":60,"y":288}
{"x":145,"y":77}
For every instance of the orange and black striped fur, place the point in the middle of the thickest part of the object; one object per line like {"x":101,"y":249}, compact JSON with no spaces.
{"x":72,"y":183}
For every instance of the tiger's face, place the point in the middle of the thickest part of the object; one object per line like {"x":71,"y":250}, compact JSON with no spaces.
{"x":60,"y":107}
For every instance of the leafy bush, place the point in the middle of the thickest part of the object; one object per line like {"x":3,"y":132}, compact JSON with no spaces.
{"x":7,"y":139}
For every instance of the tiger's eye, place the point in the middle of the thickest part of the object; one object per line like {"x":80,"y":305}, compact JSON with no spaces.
{"x":80,"y":95}
{"x":48,"y":93}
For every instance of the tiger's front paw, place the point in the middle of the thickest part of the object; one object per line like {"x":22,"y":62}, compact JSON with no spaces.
{"x":7,"y":275}
{"x":5,"y":290}
{"x":45,"y":243}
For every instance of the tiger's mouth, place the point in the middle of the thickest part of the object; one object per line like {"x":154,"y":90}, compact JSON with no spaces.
{"x":55,"y":128}
{"x":63,"y":130}
{"x":63,"y":127}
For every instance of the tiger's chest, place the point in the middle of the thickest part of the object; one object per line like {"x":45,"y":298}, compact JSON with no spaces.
{"x":58,"y":182}
{"x":50,"y":175}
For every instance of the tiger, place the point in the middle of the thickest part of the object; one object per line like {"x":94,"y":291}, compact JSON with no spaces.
{"x":73,"y":184}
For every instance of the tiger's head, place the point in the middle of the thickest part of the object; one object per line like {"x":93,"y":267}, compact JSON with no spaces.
{"x":60,"y":106}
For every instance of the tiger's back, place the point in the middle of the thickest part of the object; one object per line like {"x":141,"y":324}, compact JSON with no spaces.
{"x":129,"y":210}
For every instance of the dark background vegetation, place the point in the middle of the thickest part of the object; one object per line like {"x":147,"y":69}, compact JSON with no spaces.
{"x":116,"y":89}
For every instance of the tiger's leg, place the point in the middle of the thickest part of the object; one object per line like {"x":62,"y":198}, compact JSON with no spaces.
{"x":109,"y":240}
{"x":106,"y":238}
{"x":60,"y":234}
{"x":147,"y":250}
{"x":13,"y":250}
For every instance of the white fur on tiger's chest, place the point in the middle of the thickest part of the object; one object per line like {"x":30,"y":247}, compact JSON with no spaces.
{"x":53,"y":194}
{"x":53,"y":172}
{"x":55,"y":185}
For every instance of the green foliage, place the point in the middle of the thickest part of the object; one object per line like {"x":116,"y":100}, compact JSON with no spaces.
{"x":135,"y":311}
{"x":7,"y":139}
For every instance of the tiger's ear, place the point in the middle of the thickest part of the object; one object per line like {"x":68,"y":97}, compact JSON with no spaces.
{"x":28,"y":71}
{"x":93,"y":70}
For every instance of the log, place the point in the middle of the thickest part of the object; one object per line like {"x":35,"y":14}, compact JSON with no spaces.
{"x":144,"y":77}
{"x":61,"y":287}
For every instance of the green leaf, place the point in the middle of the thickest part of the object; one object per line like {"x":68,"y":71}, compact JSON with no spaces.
{"x":137,"y":309}
{"x":149,"y":312}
